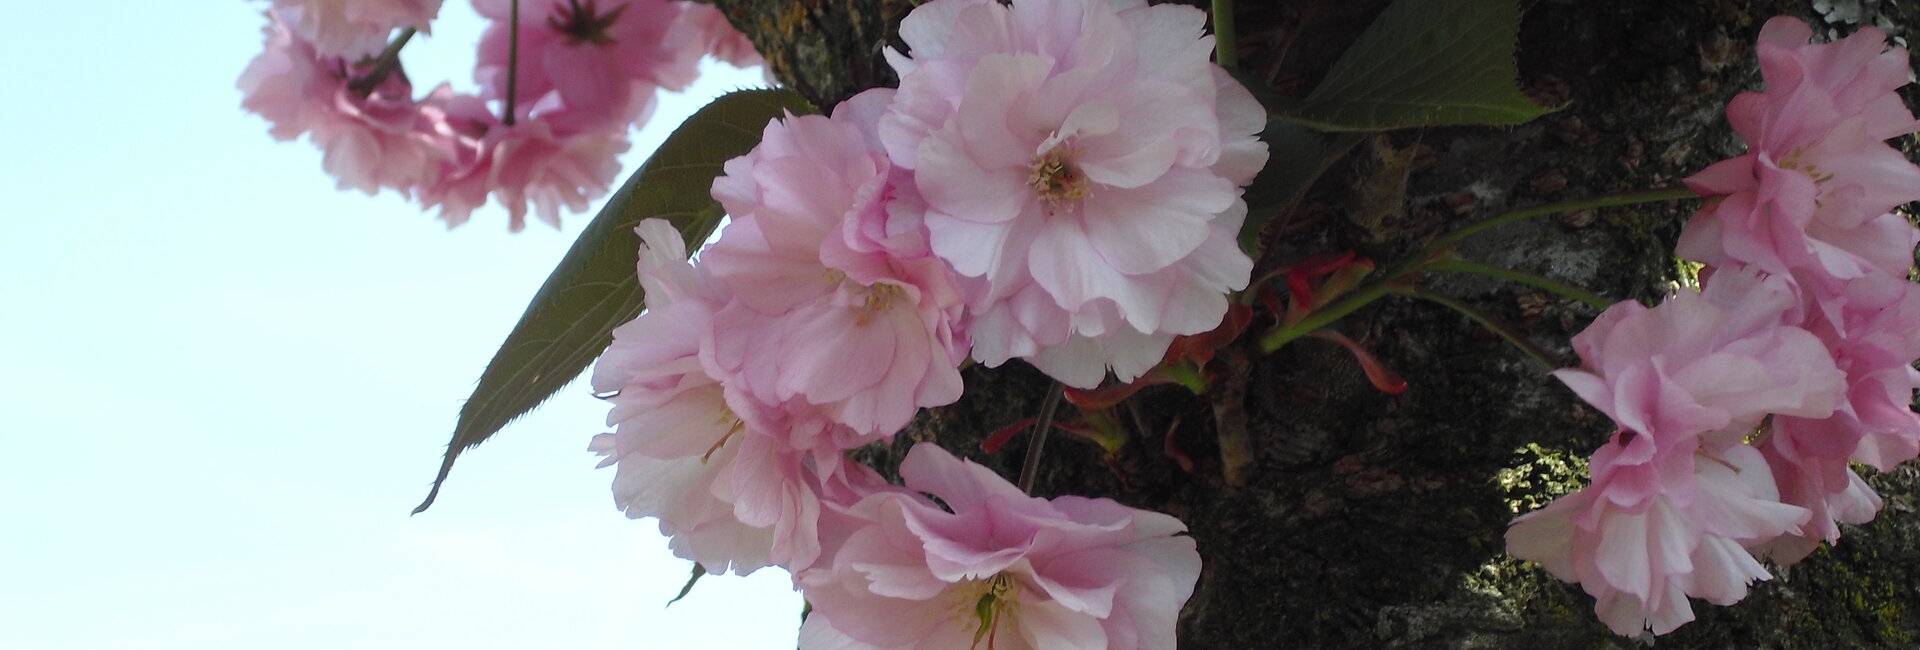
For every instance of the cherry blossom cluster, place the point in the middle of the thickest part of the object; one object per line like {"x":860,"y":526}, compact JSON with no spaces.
{"x":587,"y":72}
{"x":1741,"y":404}
{"x":1058,"y":181}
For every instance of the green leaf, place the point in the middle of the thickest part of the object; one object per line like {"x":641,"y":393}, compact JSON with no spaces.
{"x":1300,"y":155}
{"x":594,"y":289}
{"x":1423,"y":63}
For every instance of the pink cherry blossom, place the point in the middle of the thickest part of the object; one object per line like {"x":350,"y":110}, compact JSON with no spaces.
{"x":354,"y":28}
{"x":998,"y":569}
{"x":1688,"y":536}
{"x":1080,"y":162}
{"x":601,"y":58}
{"x":1813,"y":85}
{"x":288,"y":84}
{"x":853,"y":316}
{"x":720,"y":39}
{"x":1874,"y":344}
{"x":1677,"y":498}
{"x":541,"y":160}
{"x":723,"y":483}
{"x":1716,"y":360}
{"x":1194,"y":284}
{"x":1826,"y":487}
{"x":371,"y":140}
{"x":676,"y":439}
{"x":1810,"y":201}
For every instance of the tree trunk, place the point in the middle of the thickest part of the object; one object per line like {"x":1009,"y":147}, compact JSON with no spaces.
{"x":1375,"y":520}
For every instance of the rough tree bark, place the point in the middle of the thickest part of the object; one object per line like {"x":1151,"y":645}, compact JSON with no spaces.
{"x":1372,"y":520}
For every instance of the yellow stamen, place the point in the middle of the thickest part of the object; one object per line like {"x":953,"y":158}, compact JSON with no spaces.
{"x":879,"y":298}
{"x":1055,"y":180}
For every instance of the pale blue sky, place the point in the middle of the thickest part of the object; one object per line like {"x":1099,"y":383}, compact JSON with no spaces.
{"x":223,"y":384}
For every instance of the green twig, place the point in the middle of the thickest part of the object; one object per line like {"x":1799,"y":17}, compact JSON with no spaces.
{"x":1458,"y":265}
{"x":1226,"y":47}
{"x":1434,"y":252}
{"x":383,"y":64}
{"x":1513,"y":337}
{"x":1602,"y":201}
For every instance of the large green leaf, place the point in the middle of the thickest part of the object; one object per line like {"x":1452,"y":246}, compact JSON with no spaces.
{"x":1423,"y":63}
{"x":594,"y":289}
{"x":1300,"y":156}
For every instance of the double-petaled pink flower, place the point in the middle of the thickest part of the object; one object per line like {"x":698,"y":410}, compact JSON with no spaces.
{"x":1081,"y":164}
{"x":601,"y":58}
{"x":372,"y":137}
{"x":1811,"y":203}
{"x":1875,"y":344}
{"x":354,"y":29}
{"x":587,"y":72}
{"x":996,"y":568}
{"x":1811,"y":200}
{"x":539,"y":160}
{"x":718,"y":471}
{"x":1742,"y":405}
{"x":1677,"y":496}
{"x":848,"y":312}
{"x":718,"y":38}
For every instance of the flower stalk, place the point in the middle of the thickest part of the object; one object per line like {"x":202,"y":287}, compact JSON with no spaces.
{"x":1457,"y":265}
{"x":1603,"y":201}
{"x":1030,"y":468}
{"x":1506,"y":332}
{"x":1226,"y":47}
{"x":513,"y":62}
{"x":1434,"y":257}
{"x":383,"y":64}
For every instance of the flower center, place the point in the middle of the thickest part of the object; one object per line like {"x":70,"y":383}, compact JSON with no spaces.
{"x":879,"y":298}
{"x":1792,"y":161}
{"x":998,"y":596}
{"x":733,"y":424}
{"x":1820,"y":177}
{"x":1055,"y":180}
{"x":583,"y":23}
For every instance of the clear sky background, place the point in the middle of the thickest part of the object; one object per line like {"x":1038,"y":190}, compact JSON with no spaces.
{"x":224,"y":384}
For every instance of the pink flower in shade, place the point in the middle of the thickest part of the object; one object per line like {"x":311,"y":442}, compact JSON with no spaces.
{"x":354,"y":28}
{"x":1685,"y":533}
{"x":1677,"y":497}
{"x":1811,"y":87}
{"x":1081,"y":164}
{"x":1810,"y":200}
{"x":1879,"y":355}
{"x":724,"y":486}
{"x":602,"y":58}
{"x":1713,"y":361}
{"x":1875,"y":344}
{"x":1826,"y":487}
{"x":997,"y":569}
{"x":540,"y":159}
{"x":850,"y":314}
{"x":371,"y":140}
